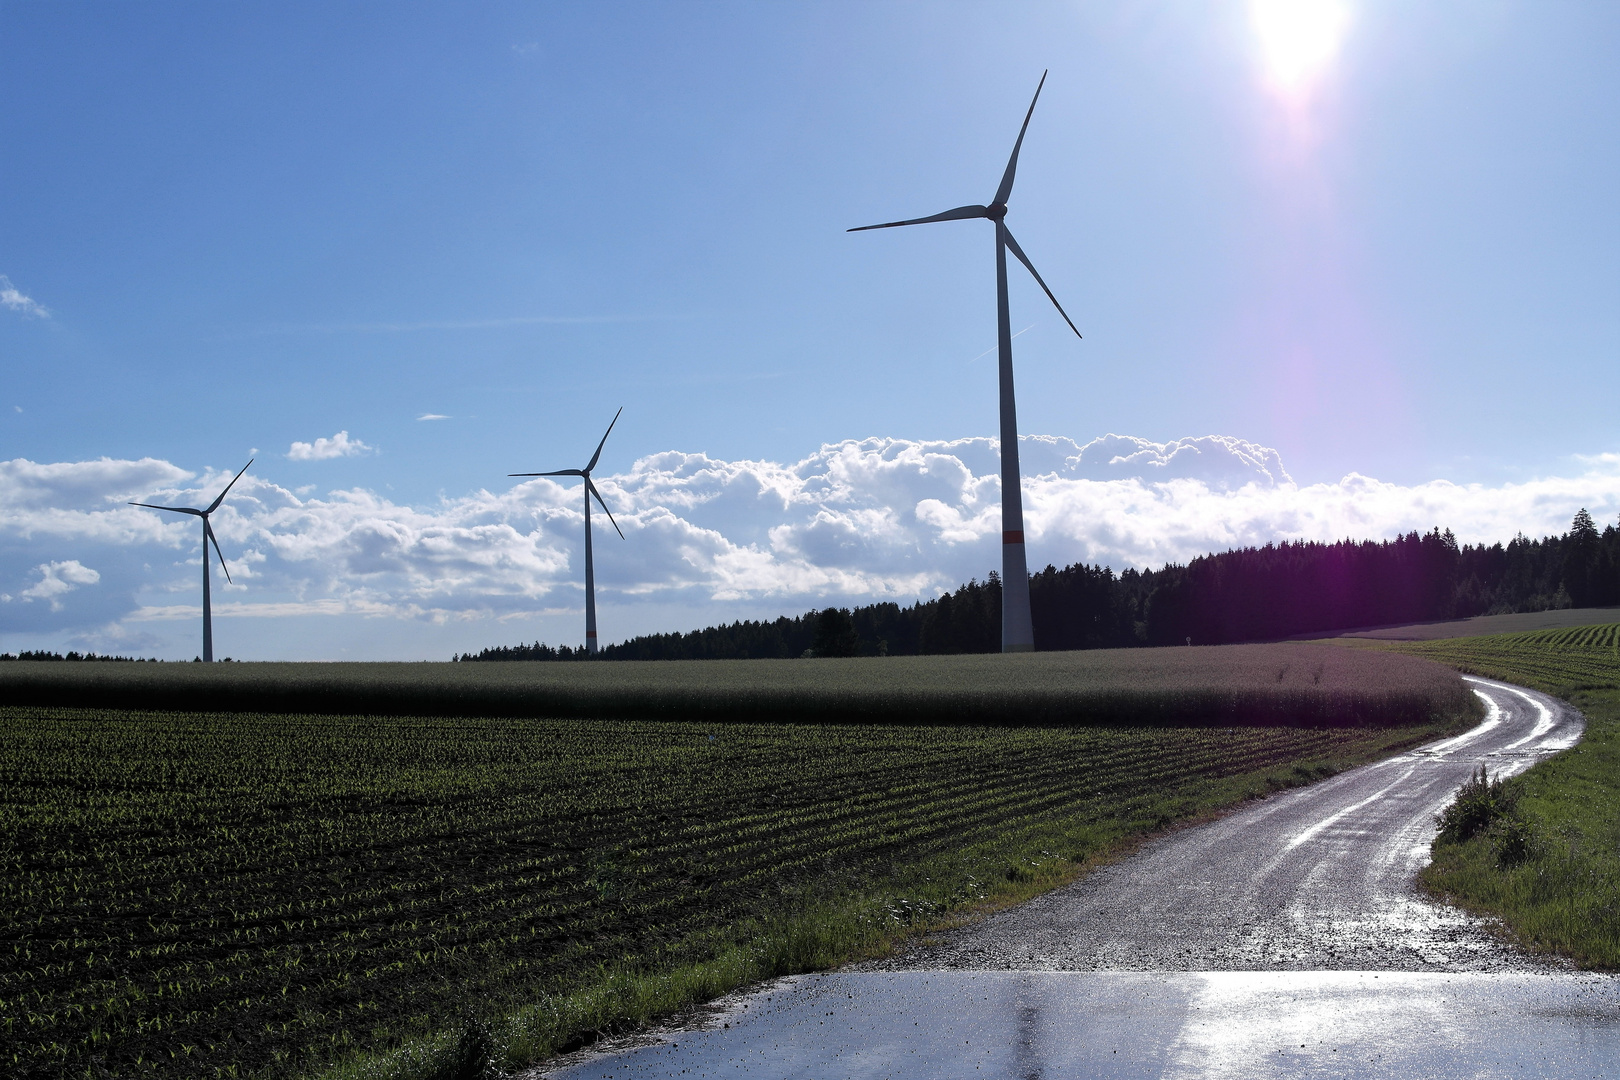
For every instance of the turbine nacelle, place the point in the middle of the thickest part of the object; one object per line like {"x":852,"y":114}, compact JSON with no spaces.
{"x":996,"y":211}
{"x":585,"y":474}
{"x":590,"y":493}
{"x":208,"y":530}
{"x":1017,"y":626}
{"x":208,"y":538}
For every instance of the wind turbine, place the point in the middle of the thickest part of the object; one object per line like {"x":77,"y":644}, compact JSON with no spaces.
{"x":590,"y":489}
{"x":1017,"y":633}
{"x":208,"y":535}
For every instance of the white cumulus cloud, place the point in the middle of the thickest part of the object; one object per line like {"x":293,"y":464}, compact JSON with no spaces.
{"x":12,"y":298}
{"x":853,"y":522}
{"x":56,"y":578}
{"x":339,"y":445}
{"x":68,"y":485}
{"x":1218,"y":460}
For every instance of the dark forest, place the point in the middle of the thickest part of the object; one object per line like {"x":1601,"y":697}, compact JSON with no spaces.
{"x":1252,"y":594}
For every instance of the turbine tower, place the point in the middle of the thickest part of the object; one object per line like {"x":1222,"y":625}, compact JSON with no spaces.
{"x":590,"y":490}
{"x":208,"y":535}
{"x":1017,"y":633}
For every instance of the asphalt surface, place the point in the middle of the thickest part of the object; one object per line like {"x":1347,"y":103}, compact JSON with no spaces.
{"x":1046,"y":1025}
{"x":1286,"y":939}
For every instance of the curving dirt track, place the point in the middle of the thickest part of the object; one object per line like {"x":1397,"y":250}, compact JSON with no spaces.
{"x":1319,"y":878}
{"x":1285,"y":940}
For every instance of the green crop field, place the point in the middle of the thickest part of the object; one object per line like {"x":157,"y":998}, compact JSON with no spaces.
{"x":267,"y":894}
{"x":1247,"y":684}
{"x":1561,"y":661}
{"x":1580,"y":637}
{"x":1493,"y":625}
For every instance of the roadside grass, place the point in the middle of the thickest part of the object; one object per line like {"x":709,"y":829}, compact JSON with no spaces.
{"x":911,"y":901}
{"x":1284,"y":683}
{"x":269,"y":895}
{"x":1549,"y":867}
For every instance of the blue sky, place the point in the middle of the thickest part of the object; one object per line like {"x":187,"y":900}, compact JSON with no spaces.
{"x":229,"y":229}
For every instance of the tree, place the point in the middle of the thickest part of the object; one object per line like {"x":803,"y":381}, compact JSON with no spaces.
{"x":835,"y":634}
{"x":1247,"y":594}
{"x":1581,"y":550}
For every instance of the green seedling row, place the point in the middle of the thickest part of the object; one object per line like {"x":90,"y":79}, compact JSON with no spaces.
{"x":1560,"y":661}
{"x":1579,"y":637}
{"x":201,"y":894}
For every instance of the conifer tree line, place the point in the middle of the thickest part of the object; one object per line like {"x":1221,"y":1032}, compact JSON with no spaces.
{"x":45,"y":654}
{"x":1250,"y":594}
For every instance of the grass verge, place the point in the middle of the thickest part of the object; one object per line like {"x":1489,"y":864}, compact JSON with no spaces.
{"x":1549,"y":865}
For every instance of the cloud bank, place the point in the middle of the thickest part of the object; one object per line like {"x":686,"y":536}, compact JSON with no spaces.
{"x":853,"y":522}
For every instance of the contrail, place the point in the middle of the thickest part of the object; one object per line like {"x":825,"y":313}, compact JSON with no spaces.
{"x":993,"y":348}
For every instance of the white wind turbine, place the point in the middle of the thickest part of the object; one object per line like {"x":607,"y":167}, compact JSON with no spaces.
{"x":590,"y":490}
{"x":208,"y":537}
{"x":1017,"y":633}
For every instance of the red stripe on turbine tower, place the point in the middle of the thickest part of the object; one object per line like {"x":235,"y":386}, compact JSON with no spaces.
{"x":1017,"y":629}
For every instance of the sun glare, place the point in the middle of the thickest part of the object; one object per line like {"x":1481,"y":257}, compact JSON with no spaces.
{"x":1298,"y":38}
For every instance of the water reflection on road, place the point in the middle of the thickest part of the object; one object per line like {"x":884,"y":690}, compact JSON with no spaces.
{"x":1182,"y":1025}
{"x":1284,"y":940}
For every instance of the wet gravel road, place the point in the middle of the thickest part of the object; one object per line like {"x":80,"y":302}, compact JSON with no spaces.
{"x":1078,"y":1025}
{"x":1318,"y":878}
{"x":1285,"y":940}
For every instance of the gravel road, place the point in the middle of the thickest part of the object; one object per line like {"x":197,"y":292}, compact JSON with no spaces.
{"x":1285,"y":940}
{"x":1319,"y":878}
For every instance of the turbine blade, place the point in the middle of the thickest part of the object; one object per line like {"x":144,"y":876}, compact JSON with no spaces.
{"x":1004,"y":192}
{"x":603,"y":505}
{"x":603,"y":443}
{"x":209,"y":531}
{"x":559,"y":472}
{"x":173,"y":509}
{"x":961,"y":213}
{"x":1018,"y":251}
{"x":234,"y":479}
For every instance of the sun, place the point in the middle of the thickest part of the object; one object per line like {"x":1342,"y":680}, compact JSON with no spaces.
{"x":1298,"y":38}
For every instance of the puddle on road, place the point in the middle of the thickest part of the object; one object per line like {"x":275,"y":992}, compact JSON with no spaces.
{"x":1253,"y":1025}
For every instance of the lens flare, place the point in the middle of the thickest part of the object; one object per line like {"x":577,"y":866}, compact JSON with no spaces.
{"x":1298,"y":39}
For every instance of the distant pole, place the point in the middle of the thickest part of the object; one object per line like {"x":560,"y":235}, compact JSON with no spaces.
{"x":590,"y":578}
{"x":1017,"y":629}
{"x":208,"y":615}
